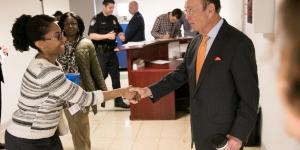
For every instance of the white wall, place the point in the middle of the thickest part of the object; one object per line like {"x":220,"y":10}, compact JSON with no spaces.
{"x":15,"y":64}
{"x":85,"y":9}
{"x":98,"y":5}
{"x":50,"y":6}
{"x":273,"y":134}
{"x":232,"y":11}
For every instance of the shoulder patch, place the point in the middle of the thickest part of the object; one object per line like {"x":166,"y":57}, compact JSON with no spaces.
{"x":93,"y":21}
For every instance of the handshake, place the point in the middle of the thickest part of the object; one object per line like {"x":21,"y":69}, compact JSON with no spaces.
{"x":135,"y":94}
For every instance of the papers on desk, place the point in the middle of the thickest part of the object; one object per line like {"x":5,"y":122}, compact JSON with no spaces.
{"x":160,"y":62}
{"x":138,"y":44}
{"x":174,"y":49}
{"x":163,"y":39}
{"x":129,"y":44}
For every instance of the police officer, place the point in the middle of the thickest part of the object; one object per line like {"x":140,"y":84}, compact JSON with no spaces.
{"x":103,"y":30}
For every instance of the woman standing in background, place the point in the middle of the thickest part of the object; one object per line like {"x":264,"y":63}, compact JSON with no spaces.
{"x":80,"y":56}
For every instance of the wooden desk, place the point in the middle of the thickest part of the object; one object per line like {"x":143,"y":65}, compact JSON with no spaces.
{"x":164,"y":109}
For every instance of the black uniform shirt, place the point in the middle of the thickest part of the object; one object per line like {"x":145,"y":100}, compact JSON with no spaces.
{"x":102,"y":25}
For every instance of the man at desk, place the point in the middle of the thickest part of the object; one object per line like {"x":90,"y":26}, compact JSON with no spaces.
{"x":220,"y":69}
{"x":135,"y":30}
{"x":167,"y":25}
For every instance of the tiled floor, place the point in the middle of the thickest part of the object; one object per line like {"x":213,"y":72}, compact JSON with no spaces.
{"x":112,"y":130}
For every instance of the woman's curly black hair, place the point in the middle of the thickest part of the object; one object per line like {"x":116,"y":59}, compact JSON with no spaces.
{"x":27,"y":30}
{"x":73,"y":15}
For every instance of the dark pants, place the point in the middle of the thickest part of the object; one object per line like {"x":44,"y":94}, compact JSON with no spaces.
{"x":15,"y":143}
{"x":109,"y":64}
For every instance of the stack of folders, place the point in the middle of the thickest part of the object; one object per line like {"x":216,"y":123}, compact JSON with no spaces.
{"x":138,"y":64}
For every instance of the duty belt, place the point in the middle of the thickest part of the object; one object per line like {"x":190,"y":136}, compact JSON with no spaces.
{"x":105,"y":48}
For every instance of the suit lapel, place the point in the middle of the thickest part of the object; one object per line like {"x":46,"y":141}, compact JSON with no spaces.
{"x":193,"y":65}
{"x":215,"y":50}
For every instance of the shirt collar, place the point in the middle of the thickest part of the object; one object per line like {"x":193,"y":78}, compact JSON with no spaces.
{"x":214,"y":31}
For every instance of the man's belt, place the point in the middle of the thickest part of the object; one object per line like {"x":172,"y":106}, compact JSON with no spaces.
{"x":105,"y":48}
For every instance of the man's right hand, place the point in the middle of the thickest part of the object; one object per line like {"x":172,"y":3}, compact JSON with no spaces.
{"x":111,"y":36}
{"x":132,"y":96}
{"x":166,"y":36}
{"x":233,"y":143}
{"x":144,"y":92}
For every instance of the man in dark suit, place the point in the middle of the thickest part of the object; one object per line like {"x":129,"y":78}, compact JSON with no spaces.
{"x":220,"y":69}
{"x":135,"y":31}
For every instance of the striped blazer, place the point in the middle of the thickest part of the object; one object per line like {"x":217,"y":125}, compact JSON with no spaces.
{"x":44,"y":90}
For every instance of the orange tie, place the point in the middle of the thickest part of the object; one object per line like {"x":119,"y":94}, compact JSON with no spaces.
{"x":201,"y":56}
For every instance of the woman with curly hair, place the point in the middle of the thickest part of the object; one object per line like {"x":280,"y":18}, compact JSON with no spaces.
{"x":44,"y":88}
{"x":80,"y":57}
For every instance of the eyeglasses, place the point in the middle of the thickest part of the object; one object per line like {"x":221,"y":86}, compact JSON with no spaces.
{"x":67,"y":24}
{"x":58,"y":35}
{"x":188,"y":11}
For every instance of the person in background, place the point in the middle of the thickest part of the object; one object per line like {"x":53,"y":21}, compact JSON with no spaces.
{"x":222,"y":78}
{"x":57,"y":15}
{"x":80,"y":56}
{"x":45,"y":89}
{"x":289,"y":66}
{"x":4,"y":52}
{"x":167,"y":25}
{"x":103,"y":30}
{"x":187,"y":28}
{"x":135,"y":30}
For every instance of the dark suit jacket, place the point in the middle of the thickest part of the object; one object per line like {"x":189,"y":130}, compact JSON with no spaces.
{"x":135,"y":30}
{"x":225,"y":99}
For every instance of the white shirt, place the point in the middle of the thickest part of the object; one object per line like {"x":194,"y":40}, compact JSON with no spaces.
{"x":212,"y":34}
